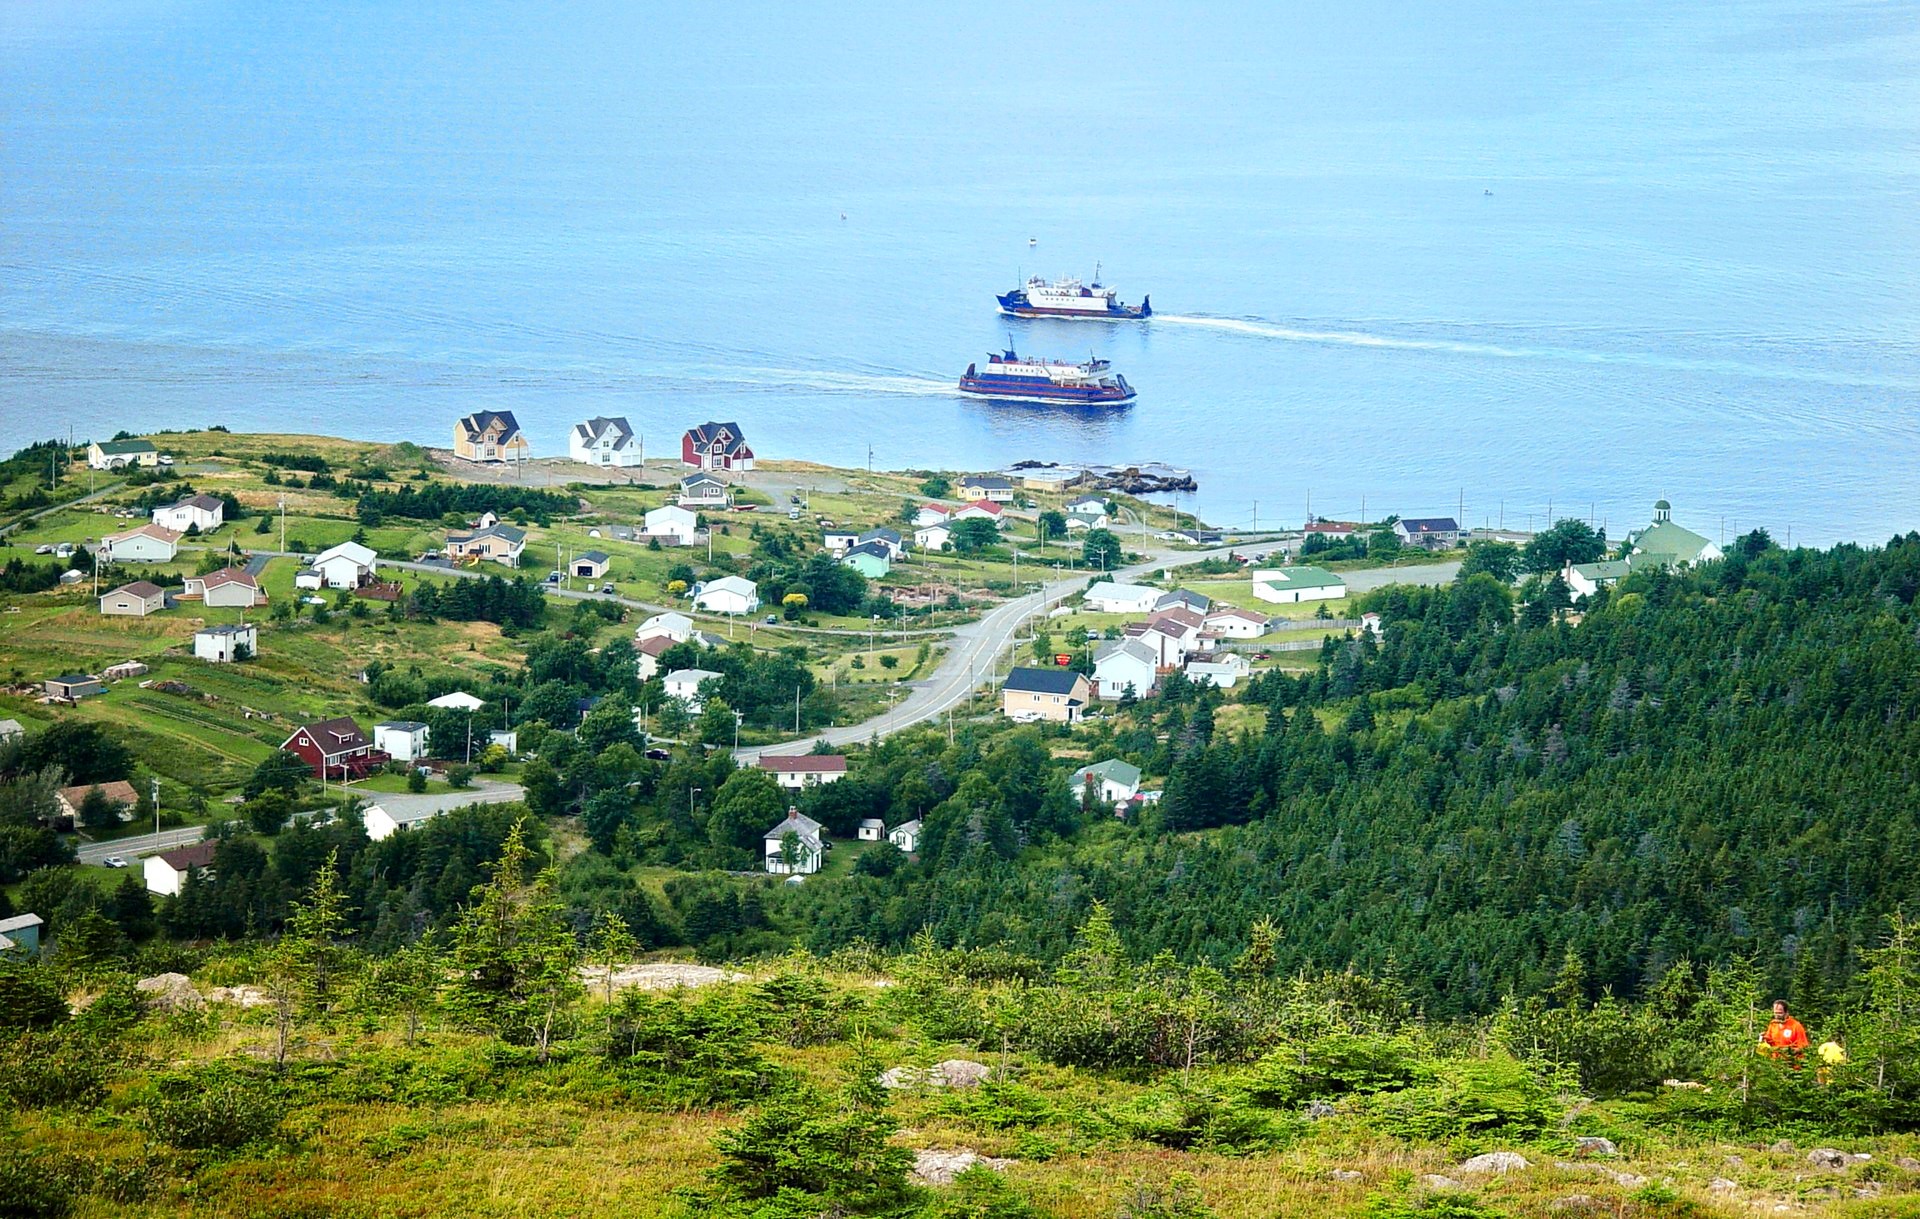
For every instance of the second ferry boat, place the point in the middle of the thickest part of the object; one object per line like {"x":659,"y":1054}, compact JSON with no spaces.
{"x":1069,"y":298}
{"x":1027,"y":380}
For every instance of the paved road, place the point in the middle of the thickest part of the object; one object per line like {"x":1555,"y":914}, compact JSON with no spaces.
{"x":31,"y":517}
{"x":978,"y":646}
{"x":142,"y":844}
{"x":485,"y":791}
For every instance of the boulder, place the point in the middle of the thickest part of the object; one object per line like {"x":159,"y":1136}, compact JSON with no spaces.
{"x":1495,"y":1161}
{"x":934,"y":1167}
{"x":952,"y":1073}
{"x":1594,"y":1145}
{"x":958,"y":1073}
{"x":240,"y":996}
{"x":1573,"y":1202}
{"x":1346,"y":1174}
{"x":1782,"y":1147}
{"x":170,"y":993}
{"x":658,"y":975}
{"x":1828,"y":1157}
{"x":1318,"y":1109}
{"x":1908,"y":1163}
{"x":1434,"y":1180}
{"x":1720,"y":1185}
{"x":1631,"y":1180}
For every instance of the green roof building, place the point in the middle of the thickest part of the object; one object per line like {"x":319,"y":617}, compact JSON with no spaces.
{"x":1665,"y":544}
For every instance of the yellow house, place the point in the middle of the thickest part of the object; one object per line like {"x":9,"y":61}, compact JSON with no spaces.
{"x":489,"y":436}
{"x":1045,"y":694}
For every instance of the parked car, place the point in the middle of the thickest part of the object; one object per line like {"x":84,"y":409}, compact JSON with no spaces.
{"x":606,"y":588}
{"x":113,"y":861}
{"x":43,"y":549}
{"x":553,"y":577}
{"x":772,"y":619}
{"x":166,"y":459}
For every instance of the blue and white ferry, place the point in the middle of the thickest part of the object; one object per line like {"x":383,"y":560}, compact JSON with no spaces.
{"x":1009,"y":376}
{"x":1069,"y":298}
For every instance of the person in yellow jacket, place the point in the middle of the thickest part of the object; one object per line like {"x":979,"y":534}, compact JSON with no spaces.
{"x":1832,"y":1054}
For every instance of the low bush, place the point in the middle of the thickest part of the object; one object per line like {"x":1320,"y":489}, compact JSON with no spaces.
{"x":52,"y":1071}
{"x":213,"y":1109}
{"x":1495,"y":1098}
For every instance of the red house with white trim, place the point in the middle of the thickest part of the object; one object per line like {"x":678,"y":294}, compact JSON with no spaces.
{"x":336,"y":749}
{"x":716,"y":446}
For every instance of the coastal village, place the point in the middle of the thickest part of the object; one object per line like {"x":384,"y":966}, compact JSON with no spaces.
{"x":208,"y":554}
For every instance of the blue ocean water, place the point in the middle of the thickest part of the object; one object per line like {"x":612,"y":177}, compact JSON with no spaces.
{"x":1587,"y":255}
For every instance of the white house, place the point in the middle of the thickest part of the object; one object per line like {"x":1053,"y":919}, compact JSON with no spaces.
{"x":702,"y":491}
{"x":872,"y":829}
{"x":1107,"y":597}
{"x":930,"y":514}
{"x":605,"y":442}
{"x":1222,"y":670}
{"x":167,"y":872}
{"x":890,"y":538}
{"x":647,"y":653}
{"x":673,"y":525}
{"x":1292,"y":585}
{"x":979,"y":509}
{"x":150,"y":543}
{"x":804,"y":770}
{"x":1113,"y":780}
{"x":727,"y":595}
{"x":309,"y":580}
{"x":1586,"y":579}
{"x":229,"y":587}
{"x":838,"y":541}
{"x":406,"y":740}
{"x":800,"y":838}
{"x":1172,"y":642}
{"x":458,"y":700}
{"x":1232,"y":622}
{"x":684,"y":684}
{"x":677,"y":627}
{"x":118,"y":454}
{"x":135,"y":600}
{"x":201,"y":512}
{"x":348,"y":565}
{"x":10,"y":730}
{"x":932,"y":537}
{"x":1088,"y":512}
{"x":383,"y":823}
{"x":906,"y":837}
{"x":221,"y":644}
{"x":1122,"y":663}
{"x":989,"y":487}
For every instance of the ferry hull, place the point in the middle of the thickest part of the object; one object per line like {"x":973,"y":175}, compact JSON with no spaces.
{"x":1126,"y":313}
{"x":1071,"y":395}
{"x":1084,"y":307}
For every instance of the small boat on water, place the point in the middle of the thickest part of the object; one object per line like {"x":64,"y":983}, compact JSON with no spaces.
{"x":1069,"y":298}
{"x":1008,"y":376}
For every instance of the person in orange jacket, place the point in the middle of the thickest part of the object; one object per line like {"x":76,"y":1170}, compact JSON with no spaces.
{"x":1784,"y":1035}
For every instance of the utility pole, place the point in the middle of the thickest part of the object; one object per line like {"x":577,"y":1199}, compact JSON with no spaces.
{"x":155,"y":791}
{"x":1256,"y":516}
{"x":796,"y":710}
{"x":283,"y":524}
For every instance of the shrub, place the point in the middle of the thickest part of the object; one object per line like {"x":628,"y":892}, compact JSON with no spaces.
{"x":1492,"y":1098}
{"x":1337,"y":1064}
{"x":981,"y":1193}
{"x":52,"y":1071}
{"x":1188,"y":1118}
{"x":29,"y":999}
{"x":45,"y":1185}
{"x":216,"y":1109}
{"x":1442,"y":1205}
{"x":676,"y":1055}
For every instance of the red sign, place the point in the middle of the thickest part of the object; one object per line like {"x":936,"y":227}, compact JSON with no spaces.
{"x":1063,"y":659}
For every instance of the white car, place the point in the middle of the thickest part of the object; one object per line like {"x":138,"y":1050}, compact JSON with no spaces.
{"x":165,"y":460}
{"x":43,"y":549}
{"x":113,"y":861}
